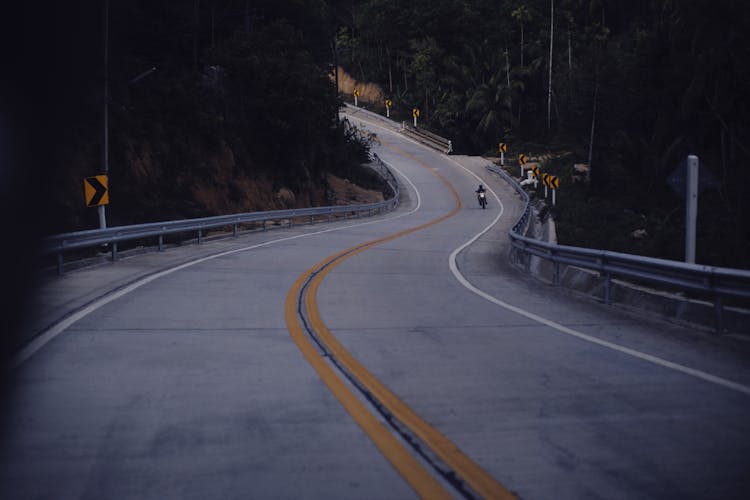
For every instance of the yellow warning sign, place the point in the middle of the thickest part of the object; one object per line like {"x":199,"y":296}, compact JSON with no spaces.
{"x":96,"y":190}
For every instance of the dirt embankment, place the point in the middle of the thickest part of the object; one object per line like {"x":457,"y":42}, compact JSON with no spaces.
{"x":368,"y":92}
{"x":344,"y":192}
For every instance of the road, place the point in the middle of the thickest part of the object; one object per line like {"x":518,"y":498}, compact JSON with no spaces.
{"x":397,"y":356}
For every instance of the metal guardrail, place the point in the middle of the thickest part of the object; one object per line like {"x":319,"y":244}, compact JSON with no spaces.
{"x":428,"y":138}
{"x":717,"y":283}
{"x":61,"y":243}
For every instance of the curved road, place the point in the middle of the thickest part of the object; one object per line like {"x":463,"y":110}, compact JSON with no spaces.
{"x":392,"y":357}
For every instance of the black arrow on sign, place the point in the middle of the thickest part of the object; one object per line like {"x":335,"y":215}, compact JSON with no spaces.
{"x":99,"y":188}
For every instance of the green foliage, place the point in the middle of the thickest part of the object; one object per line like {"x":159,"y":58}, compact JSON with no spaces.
{"x":662,"y":80}
{"x":241,"y":94}
{"x":244,"y":87}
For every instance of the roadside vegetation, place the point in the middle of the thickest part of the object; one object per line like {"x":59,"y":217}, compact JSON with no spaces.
{"x":629,"y":88}
{"x":215,"y":107}
{"x":220,"y":106}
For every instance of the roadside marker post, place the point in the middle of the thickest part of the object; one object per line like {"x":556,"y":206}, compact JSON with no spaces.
{"x":388,"y":104}
{"x":545,"y":182}
{"x":554,"y":184}
{"x":689,"y":179}
{"x":356,"y":94}
{"x":522,"y":162}
{"x":691,"y":208}
{"x":503,"y":148}
{"x":415,"y":114}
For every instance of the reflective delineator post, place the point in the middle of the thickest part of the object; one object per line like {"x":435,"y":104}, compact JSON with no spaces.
{"x":691,"y":208}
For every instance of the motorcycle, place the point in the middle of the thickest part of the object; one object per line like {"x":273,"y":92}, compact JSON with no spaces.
{"x":482,"y":199}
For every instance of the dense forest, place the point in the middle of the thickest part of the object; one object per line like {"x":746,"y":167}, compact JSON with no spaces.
{"x":210,"y":107}
{"x":220,"y":105}
{"x":630,"y":88}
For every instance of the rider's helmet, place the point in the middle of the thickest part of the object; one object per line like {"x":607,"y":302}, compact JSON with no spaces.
{"x":481,"y":187}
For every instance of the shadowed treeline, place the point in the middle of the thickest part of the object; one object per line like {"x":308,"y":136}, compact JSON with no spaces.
{"x":630,"y":87}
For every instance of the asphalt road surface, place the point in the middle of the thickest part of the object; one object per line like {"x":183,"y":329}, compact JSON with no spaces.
{"x":397,"y":356}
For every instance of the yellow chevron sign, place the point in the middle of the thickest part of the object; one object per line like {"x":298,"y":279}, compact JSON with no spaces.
{"x":536,"y":171}
{"x":356,"y":93}
{"x":415,"y":112}
{"x":96,"y":190}
{"x":388,"y":103}
{"x":551,"y":181}
{"x":502,"y":147}
{"x":522,"y":159}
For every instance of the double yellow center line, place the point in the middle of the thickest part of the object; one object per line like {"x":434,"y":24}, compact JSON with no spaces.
{"x":303,"y":293}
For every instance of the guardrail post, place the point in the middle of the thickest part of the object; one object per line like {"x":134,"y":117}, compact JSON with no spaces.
{"x":200,"y":236}
{"x":264,"y":226}
{"x":161,"y":242}
{"x":59,"y":263}
{"x":526,"y":258}
{"x":234,"y":230}
{"x":607,"y":286}
{"x":114,"y":251}
{"x":312,"y":220}
{"x":555,"y":273}
{"x":719,"y":310}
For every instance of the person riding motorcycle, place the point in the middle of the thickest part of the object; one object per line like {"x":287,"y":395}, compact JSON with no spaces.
{"x":479,"y":192}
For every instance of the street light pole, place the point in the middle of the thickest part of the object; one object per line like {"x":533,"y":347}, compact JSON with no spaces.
{"x":102,"y":214}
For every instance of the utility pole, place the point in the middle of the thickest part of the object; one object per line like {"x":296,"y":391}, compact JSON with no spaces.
{"x":336,"y":71}
{"x":102,"y":214}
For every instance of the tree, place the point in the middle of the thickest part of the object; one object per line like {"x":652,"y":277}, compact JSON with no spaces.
{"x":551,"y":38}
{"x":523,"y":16}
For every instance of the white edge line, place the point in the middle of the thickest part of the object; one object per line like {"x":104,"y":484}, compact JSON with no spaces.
{"x":56,"y":329}
{"x":574,"y":333}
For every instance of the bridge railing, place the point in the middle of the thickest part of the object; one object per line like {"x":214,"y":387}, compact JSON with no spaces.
{"x":715,"y":283}
{"x":60,"y":244}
